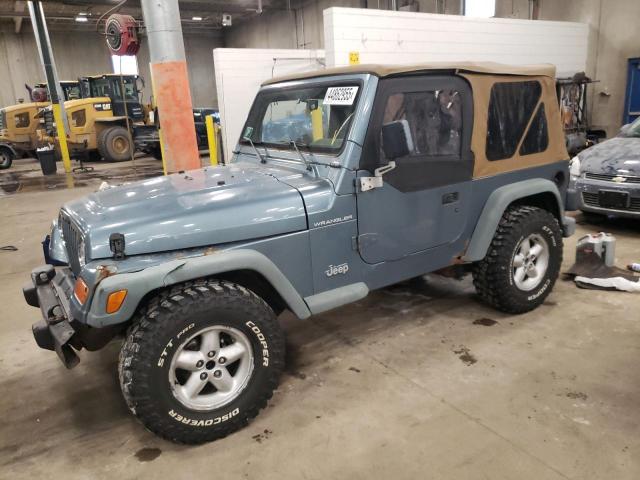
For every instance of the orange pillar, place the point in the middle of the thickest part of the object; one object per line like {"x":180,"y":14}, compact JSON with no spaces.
{"x":171,"y":85}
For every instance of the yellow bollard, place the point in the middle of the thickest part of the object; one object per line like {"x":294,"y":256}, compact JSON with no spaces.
{"x":164,"y":163}
{"x":212,"y":137}
{"x":62,"y":137}
{"x":317,"y":131}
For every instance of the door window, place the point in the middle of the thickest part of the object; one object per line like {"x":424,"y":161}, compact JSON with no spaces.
{"x":22,"y":120}
{"x":434,"y":118}
{"x":439,"y":112}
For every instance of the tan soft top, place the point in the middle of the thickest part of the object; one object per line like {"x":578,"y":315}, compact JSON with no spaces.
{"x":491,"y":68}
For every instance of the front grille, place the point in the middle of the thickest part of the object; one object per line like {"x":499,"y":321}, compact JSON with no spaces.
{"x":72,"y":239}
{"x":592,"y":200}
{"x":3,"y":116}
{"x":609,"y":178}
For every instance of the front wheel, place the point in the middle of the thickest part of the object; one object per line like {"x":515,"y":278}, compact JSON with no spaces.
{"x":202,"y":361}
{"x":114,"y":144}
{"x":6,"y":158}
{"x":523,"y":260}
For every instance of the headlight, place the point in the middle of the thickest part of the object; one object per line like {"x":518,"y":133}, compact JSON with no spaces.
{"x":82,"y":260}
{"x":574,"y":167}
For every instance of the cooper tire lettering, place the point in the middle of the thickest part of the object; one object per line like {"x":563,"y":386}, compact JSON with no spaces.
{"x":263,"y":341}
{"x":148,"y":374}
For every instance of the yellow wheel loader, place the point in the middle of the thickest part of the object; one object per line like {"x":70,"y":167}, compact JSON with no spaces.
{"x":103,"y":120}
{"x":19,"y":124}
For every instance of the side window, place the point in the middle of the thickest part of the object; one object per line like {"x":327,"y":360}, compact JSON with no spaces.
{"x":537,"y":139}
{"x":79,"y":118}
{"x":511,"y":106}
{"x":434,"y":118}
{"x":22,"y":120}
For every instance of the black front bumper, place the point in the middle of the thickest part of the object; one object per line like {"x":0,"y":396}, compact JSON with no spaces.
{"x":50,"y":289}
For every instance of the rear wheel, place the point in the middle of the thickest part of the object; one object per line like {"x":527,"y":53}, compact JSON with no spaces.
{"x":523,"y":260}
{"x":202,"y":361}
{"x":6,"y":158}
{"x":114,"y":144}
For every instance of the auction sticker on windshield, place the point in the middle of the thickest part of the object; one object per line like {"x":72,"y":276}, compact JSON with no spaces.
{"x":340,"y":95}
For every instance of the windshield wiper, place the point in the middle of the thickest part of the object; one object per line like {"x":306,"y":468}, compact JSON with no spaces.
{"x":248,"y":139}
{"x":307,"y":164}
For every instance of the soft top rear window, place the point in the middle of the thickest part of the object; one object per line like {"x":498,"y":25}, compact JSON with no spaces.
{"x":510,"y":108}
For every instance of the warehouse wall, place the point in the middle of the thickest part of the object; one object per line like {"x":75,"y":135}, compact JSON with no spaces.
{"x":613,"y":37}
{"x":79,"y":53}
{"x":83,"y":54}
{"x":614,"y":34}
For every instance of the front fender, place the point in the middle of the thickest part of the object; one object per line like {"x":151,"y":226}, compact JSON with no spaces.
{"x":138,"y":284}
{"x":498,"y":202}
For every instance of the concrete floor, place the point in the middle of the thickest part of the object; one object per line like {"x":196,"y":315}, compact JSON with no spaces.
{"x":415,"y":381}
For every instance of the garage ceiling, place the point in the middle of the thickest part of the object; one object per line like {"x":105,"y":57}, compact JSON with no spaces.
{"x":61,"y":15}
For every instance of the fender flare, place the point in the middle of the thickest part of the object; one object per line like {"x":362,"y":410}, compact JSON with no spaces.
{"x":495,"y":206}
{"x":139,"y":283}
{"x":9,"y":147}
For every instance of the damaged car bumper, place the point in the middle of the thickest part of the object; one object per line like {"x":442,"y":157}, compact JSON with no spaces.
{"x":50,"y":289}
{"x":62,"y":328}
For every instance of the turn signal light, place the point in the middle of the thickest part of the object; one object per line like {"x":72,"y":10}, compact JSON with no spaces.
{"x":81,"y":291}
{"x":115,"y":300}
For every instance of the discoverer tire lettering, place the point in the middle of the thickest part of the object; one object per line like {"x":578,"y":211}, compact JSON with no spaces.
{"x":169,"y":320}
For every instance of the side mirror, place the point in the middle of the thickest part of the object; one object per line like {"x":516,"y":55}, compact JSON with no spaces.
{"x":396,"y":139}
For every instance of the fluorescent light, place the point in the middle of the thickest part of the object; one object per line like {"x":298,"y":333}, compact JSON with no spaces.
{"x":81,"y":19}
{"x":83,"y":14}
{"x":197,"y":19}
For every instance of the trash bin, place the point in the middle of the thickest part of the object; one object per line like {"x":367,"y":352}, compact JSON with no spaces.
{"x":47,"y":160}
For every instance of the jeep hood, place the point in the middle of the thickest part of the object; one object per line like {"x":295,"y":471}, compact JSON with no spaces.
{"x":210,"y":206}
{"x":617,"y":156}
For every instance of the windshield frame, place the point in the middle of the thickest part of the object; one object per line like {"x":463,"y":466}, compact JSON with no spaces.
{"x":304,"y":84}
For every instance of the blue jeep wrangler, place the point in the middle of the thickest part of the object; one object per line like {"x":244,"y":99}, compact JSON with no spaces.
{"x":344,"y":181}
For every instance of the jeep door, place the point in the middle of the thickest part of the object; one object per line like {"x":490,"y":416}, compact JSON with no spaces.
{"x":424,"y":201}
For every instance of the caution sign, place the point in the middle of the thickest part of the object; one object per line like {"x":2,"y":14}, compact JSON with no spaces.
{"x":354,"y":58}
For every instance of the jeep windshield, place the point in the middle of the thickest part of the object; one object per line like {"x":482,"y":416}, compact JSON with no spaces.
{"x":317,"y":118}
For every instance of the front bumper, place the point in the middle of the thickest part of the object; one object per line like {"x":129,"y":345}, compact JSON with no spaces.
{"x":50,"y":289}
{"x":585,"y":196}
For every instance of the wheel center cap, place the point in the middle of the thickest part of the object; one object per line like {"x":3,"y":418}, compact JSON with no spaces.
{"x":210,"y":365}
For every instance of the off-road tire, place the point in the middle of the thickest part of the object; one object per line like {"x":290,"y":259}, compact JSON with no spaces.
{"x":493,"y":276}
{"x":6,"y":158}
{"x":114,"y":144}
{"x":147,"y":353}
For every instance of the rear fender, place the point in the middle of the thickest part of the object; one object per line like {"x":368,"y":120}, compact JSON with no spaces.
{"x":499,"y":201}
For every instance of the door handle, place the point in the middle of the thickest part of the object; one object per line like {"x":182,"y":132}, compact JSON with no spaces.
{"x":450,"y":197}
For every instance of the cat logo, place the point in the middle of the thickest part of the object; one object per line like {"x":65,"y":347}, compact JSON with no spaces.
{"x":619,"y":179}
